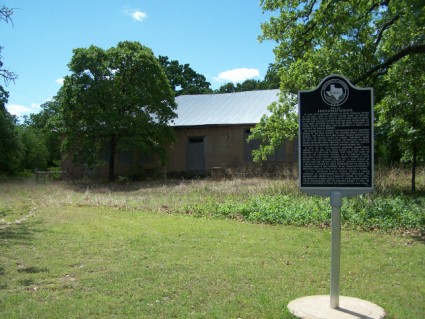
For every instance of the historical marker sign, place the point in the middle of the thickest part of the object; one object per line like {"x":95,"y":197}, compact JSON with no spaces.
{"x":336,"y":138}
{"x":336,"y":152}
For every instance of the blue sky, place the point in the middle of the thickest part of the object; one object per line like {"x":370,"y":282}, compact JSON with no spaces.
{"x":218,"y":38}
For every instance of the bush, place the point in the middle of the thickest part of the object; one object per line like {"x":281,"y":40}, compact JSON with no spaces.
{"x":365,"y":212}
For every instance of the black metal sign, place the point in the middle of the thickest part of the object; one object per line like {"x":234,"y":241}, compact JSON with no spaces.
{"x":336,"y":138}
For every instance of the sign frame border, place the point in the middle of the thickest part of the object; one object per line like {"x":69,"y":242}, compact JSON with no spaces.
{"x":344,"y":191}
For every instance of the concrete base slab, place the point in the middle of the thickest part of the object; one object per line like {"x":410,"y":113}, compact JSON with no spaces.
{"x":318,"y":307}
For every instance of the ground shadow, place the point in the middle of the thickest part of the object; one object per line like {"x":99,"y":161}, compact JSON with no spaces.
{"x":12,"y":234}
{"x":33,"y":270}
{"x":22,"y":233}
{"x":353,"y":313}
{"x":18,"y":234}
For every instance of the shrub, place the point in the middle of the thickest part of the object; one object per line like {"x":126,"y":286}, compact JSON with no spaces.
{"x":365,"y":212}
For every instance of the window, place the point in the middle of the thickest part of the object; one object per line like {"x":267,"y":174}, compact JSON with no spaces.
{"x":196,"y":139}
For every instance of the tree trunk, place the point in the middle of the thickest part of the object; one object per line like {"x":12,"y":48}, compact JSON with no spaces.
{"x":414,"y":163}
{"x":112,"y":151}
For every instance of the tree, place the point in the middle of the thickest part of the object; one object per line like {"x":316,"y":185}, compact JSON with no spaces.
{"x":249,"y":85}
{"x":45,"y":126}
{"x":272,"y":131}
{"x":9,"y":139}
{"x":119,"y":96}
{"x":35,"y":154}
{"x":183,"y":79}
{"x":271,"y":81}
{"x":6,"y":15}
{"x":402,"y":110}
{"x":226,"y":88}
{"x":362,"y":40}
{"x":10,"y":145}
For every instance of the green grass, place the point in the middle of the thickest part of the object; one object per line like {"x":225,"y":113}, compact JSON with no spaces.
{"x":136,"y":251}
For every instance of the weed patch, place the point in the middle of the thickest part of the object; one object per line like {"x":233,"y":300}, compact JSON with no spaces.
{"x":367,"y":212}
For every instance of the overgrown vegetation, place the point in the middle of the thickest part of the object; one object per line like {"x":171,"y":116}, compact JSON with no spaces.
{"x":390,"y":208}
{"x":365,"y":212}
{"x":134,"y":250}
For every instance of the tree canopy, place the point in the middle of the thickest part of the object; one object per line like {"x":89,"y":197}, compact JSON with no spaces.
{"x":370,"y":42}
{"x":43,"y":126}
{"x":183,"y":79}
{"x":113,"y":96}
{"x":359,"y":39}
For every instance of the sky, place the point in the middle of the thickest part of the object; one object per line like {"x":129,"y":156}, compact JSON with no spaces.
{"x":217,"y":38}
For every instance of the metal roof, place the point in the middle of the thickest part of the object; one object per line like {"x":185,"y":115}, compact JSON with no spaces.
{"x":224,"y":109}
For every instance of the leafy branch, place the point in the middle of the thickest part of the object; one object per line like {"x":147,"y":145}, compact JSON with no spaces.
{"x":410,"y":50}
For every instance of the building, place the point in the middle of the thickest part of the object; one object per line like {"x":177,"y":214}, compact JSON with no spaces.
{"x":211,"y":132}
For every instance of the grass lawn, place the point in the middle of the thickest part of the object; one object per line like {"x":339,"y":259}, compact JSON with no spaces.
{"x":69,"y":252}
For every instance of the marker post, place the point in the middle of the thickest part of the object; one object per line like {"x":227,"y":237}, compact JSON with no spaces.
{"x":335,"y":148}
{"x":336,"y":203}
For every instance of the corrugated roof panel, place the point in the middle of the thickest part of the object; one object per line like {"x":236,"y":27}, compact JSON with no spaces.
{"x":221,"y":109}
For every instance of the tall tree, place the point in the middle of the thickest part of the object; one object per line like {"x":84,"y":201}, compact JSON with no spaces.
{"x":402,"y":110}
{"x":10,"y":146}
{"x":119,"y":95}
{"x":44,"y":125}
{"x":183,"y":79}
{"x":361,"y":39}
{"x":35,"y":154}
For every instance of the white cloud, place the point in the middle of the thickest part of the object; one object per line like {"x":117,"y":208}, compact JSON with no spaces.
{"x":20,"y":110}
{"x":139,"y":15}
{"x":136,"y":14}
{"x":237,"y":75}
{"x":60,"y":81}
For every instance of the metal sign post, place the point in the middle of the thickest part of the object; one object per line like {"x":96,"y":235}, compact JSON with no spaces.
{"x":336,"y":161}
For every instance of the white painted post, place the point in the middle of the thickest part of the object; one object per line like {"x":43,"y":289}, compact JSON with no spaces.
{"x":336,"y":203}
